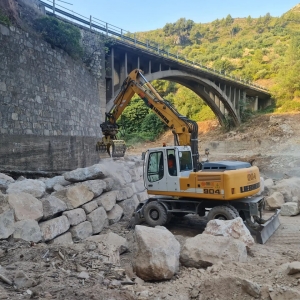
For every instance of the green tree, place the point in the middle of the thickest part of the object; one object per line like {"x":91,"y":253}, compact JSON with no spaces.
{"x":60,"y":34}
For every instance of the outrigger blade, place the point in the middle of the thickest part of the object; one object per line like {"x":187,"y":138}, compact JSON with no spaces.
{"x":264,"y":231}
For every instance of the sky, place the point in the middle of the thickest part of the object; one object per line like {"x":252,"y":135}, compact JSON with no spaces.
{"x":135,"y":16}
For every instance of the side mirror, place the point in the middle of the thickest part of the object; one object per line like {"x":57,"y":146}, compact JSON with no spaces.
{"x":143,"y":155}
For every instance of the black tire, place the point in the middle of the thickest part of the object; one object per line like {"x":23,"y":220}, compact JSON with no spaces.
{"x":234,"y":209}
{"x":155,"y":214}
{"x":222,"y":213}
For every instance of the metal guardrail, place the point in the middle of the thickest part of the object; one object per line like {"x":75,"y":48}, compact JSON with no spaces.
{"x":113,"y":31}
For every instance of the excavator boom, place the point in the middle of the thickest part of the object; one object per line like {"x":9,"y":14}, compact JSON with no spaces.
{"x":185,"y":130}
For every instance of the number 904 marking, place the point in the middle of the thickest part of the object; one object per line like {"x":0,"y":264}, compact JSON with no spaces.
{"x":211,"y":191}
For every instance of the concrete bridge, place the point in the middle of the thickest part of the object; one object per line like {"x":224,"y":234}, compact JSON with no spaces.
{"x":224,"y":94}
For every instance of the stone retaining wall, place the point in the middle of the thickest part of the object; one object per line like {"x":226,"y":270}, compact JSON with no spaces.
{"x":71,"y":207}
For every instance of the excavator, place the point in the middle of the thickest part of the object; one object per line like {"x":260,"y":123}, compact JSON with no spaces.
{"x":177,"y":181}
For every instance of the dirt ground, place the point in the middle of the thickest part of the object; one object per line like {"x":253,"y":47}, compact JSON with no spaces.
{"x":272,"y":142}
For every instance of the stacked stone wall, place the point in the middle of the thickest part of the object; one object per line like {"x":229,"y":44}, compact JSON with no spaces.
{"x":47,"y":101}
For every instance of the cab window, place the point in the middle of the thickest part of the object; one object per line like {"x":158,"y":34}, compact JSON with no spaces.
{"x":155,"y":168}
{"x":172,"y":168}
{"x":185,"y":161}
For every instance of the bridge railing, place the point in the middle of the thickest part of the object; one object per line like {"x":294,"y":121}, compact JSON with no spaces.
{"x":116,"y":32}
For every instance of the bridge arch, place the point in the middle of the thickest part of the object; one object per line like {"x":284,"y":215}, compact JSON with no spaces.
{"x":216,"y":99}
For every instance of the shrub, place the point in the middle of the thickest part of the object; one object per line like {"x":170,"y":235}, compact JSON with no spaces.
{"x":4,"y":19}
{"x":59,"y":34}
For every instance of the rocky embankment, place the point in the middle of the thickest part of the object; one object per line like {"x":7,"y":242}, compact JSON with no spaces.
{"x":66,"y":238}
{"x":73,"y":206}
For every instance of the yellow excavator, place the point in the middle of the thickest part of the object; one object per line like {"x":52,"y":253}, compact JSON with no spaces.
{"x":179,"y":183}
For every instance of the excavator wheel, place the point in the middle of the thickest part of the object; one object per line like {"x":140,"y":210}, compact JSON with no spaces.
{"x":222,"y":213}
{"x":155,"y":214}
{"x":234,"y":209}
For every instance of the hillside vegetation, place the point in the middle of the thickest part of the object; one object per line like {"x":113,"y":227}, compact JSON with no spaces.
{"x":265,"y":50}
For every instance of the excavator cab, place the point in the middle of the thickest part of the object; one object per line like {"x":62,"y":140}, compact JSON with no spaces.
{"x":165,"y":166}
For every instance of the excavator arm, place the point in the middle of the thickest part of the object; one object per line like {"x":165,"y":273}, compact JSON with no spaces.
{"x":185,"y":130}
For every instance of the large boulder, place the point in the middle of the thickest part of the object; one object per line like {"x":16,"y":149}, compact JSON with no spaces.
{"x":116,"y":171}
{"x":52,"y":206}
{"x":75,"y":216}
{"x":205,"y":250}
{"x":129,"y":206}
{"x":157,"y":256}
{"x":115,"y":214}
{"x":64,"y":239}
{"x":54,"y":227}
{"x":81,"y":231}
{"x":90,"y":206}
{"x":75,"y":196}
{"x":27,"y":230}
{"x":57,"y":180}
{"x":82,"y":174}
{"x":96,"y":186}
{"x":287,"y":187}
{"x":98,"y":219}
{"x":107,"y":200}
{"x":109,"y":184}
{"x":25,"y":206}
{"x":4,"y":206}
{"x":276,"y":200}
{"x":5,"y":181}
{"x":231,"y":228}
{"x":7,"y":221}
{"x":139,"y":186}
{"x":290,"y":209}
{"x":124,"y":193}
{"x":34,"y":187}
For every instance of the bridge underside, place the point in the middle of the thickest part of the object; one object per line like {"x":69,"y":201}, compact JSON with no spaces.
{"x":226,"y":98}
